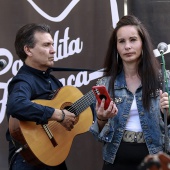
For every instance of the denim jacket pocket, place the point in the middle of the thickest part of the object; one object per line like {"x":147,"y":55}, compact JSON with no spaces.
{"x":107,"y":133}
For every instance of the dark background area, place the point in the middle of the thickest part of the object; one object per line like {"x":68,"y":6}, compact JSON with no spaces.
{"x":155,"y":14}
{"x":91,"y":21}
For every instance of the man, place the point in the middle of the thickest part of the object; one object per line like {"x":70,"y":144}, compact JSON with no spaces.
{"x":34,"y":46}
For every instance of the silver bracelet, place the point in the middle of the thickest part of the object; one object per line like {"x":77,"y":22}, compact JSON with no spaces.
{"x":63,"y":116}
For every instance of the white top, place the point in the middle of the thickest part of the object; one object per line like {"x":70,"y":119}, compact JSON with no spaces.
{"x":133,"y":122}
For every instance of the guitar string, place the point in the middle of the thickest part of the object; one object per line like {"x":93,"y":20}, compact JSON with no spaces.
{"x":82,"y":106}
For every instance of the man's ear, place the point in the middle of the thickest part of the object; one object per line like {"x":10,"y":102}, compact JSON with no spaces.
{"x":27,"y":50}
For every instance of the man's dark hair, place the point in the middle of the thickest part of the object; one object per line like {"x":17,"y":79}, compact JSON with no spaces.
{"x":25,"y":37}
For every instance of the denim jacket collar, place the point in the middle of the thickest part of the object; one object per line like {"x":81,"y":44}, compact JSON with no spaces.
{"x":120,"y":81}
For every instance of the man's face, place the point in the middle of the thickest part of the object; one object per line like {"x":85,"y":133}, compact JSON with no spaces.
{"x":42,"y":55}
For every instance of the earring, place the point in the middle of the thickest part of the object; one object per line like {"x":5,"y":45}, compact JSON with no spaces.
{"x":117,"y":57}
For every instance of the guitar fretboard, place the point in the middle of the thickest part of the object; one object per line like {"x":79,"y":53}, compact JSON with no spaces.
{"x":82,"y":104}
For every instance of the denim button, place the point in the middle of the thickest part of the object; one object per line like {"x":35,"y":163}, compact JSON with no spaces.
{"x":141,"y":113}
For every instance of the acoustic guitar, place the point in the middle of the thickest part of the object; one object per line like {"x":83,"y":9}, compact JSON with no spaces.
{"x":50,"y":144}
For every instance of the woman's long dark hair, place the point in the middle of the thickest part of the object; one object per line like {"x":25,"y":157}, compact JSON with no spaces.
{"x":148,"y":68}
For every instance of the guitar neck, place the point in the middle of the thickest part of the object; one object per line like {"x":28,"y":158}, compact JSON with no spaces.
{"x":83,"y":103}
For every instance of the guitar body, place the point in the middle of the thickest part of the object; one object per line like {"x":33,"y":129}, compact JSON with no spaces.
{"x":38,"y":147}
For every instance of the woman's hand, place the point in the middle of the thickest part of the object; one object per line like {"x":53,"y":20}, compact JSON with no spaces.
{"x":164,"y":101}
{"x":110,"y":112}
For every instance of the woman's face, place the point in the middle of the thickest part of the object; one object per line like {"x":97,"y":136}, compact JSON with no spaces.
{"x":129,"y":44}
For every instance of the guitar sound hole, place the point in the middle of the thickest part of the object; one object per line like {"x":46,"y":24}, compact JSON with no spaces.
{"x":70,"y":109}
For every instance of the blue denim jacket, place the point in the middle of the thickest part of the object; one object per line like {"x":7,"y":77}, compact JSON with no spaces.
{"x":151,"y":122}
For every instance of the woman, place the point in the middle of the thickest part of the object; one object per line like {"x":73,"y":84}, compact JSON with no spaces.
{"x":131,"y":126}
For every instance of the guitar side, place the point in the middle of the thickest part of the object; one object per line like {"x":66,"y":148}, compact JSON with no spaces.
{"x":38,"y":142}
